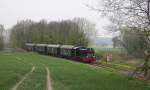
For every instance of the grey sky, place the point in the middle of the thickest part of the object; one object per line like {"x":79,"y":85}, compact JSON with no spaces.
{"x":15,"y":10}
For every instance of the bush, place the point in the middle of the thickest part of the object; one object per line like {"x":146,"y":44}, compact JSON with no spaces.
{"x":100,"y":55}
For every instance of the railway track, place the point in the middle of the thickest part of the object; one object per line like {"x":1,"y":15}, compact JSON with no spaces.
{"x":121,"y":70}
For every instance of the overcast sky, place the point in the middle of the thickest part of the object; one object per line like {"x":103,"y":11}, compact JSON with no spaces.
{"x":12,"y":11}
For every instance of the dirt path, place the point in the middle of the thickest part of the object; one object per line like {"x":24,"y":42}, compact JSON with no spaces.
{"x":49,"y":84}
{"x":27,"y":74}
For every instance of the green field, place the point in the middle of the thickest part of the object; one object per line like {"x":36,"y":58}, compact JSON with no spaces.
{"x":110,"y":50}
{"x":65,"y":74}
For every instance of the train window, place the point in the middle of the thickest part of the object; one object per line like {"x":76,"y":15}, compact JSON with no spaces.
{"x":52,"y":50}
{"x":83,"y":54}
{"x":90,"y":54}
{"x":77,"y":52}
{"x":69,"y":52}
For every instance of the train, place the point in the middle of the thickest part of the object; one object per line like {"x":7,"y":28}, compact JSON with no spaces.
{"x":77,"y":53}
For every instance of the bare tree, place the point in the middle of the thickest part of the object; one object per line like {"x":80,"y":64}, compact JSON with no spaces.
{"x":87,"y":27}
{"x":130,"y":13}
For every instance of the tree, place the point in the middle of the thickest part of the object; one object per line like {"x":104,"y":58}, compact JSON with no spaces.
{"x":132,"y":41}
{"x":116,"y":42}
{"x":87,"y":27}
{"x":63,"y":32}
{"x":19,"y":35}
{"x":131,"y":13}
{"x":1,"y":36}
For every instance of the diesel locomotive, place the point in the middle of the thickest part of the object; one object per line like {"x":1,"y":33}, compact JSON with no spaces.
{"x":77,"y":53}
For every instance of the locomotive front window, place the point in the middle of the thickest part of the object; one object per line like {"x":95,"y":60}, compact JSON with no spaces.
{"x":90,"y":54}
{"x":83,"y":54}
{"x":86,"y":54}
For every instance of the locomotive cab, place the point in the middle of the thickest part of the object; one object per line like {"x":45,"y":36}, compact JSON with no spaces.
{"x":85,"y":54}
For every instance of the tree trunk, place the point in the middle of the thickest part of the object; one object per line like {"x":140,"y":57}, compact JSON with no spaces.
{"x":146,"y":67}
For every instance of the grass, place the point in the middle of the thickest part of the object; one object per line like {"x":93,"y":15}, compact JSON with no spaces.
{"x":110,"y":50}
{"x":11,"y":70}
{"x":65,"y":74}
{"x":120,"y":59}
{"x":36,"y":81}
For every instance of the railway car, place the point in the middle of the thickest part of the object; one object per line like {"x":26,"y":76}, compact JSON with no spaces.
{"x":41,"y":48}
{"x":53,"y":50}
{"x":77,"y":53}
{"x":66,"y":51}
{"x":30,"y":47}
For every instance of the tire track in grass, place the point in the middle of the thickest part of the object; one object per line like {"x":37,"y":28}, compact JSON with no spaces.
{"x":24,"y":77}
{"x":49,"y":84}
{"x":37,"y":79}
{"x":21,"y":60}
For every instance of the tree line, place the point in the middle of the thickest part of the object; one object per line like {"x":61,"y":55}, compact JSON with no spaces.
{"x":78,"y":32}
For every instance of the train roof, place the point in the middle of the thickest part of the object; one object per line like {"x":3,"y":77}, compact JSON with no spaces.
{"x":67,"y":46}
{"x":53,"y":45}
{"x":75,"y":47}
{"x":30,"y":44}
{"x":41,"y":44}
